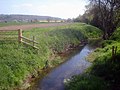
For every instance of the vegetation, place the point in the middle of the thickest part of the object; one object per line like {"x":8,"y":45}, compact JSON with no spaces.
{"x":86,"y":82}
{"x":115,"y":35}
{"x":19,"y":63}
{"x":105,"y":67}
{"x":104,"y":14}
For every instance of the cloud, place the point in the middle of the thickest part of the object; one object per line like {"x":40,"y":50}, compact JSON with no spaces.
{"x":61,"y":10}
{"x":25,"y":5}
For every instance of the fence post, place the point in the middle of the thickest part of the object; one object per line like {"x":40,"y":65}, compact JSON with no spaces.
{"x":112,"y":52}
{"x":20,"y":35}
{"x":115,"y":50}
{"x":33,"y":41}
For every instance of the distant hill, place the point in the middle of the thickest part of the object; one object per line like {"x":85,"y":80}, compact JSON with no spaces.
{"x":27,"y":18}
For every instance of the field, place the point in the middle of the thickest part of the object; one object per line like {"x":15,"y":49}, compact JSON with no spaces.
{"x":2,"y":24}
{"x":19,"y":63}
{"x":27,"y":26}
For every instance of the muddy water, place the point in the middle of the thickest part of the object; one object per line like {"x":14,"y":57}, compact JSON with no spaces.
{"x":75,"y":65}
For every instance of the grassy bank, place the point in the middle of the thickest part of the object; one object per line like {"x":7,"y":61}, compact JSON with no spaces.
{"x":105,"y":68}
{"x":19,"y":63}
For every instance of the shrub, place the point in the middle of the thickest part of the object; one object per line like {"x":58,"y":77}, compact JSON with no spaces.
{"x":85,"y":82}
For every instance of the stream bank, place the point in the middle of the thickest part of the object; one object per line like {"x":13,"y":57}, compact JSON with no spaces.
{"x":54,"y":79}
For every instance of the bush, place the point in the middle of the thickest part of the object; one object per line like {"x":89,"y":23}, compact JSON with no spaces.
{"x":86,"y":82}
{"x":116,"y":35}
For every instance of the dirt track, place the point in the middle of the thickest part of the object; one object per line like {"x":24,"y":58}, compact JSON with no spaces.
{"x":30,"y":26}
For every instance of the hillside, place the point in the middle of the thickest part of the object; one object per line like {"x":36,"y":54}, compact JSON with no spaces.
{"x":26,"y":18}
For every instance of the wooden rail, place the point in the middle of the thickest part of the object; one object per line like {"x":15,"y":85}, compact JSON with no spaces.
{"x":30,"y":39}
{"x":22,"y":39}
{"x":8,"y":35}
{"x":19,"y":35}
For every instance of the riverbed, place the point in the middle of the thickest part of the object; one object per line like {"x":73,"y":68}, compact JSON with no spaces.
{"x":77,"y":64}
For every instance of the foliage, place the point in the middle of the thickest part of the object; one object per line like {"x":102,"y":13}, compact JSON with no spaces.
{"x":18,"y":61}
{"x":107,"y":67}
{"x":116,"y":35}
{"x":85,"y":82}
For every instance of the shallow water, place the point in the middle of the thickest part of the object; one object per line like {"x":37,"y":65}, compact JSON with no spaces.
{"x":75,"y":65}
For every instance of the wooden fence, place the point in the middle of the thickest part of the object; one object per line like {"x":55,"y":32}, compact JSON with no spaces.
{"x":27,"y":41}
{"x":8,"y":35}
{"x":19,"y":35}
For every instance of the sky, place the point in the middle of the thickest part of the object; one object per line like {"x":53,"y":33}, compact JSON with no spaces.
{"x":56,"y":8}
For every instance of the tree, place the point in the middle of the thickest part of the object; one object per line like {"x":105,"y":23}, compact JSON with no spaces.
{"x":107,"y":13}
{"x":48,"y":19}
{"x":78,"y":19}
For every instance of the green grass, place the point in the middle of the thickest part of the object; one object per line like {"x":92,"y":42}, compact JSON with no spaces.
{"x":104,"y":67}
{"x":18,"y":61}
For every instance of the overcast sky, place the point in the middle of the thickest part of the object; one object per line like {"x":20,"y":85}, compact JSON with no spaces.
{"x":56,"y":8}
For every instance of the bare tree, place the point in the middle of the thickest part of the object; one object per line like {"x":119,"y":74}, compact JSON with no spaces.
{"x":109,"y":15}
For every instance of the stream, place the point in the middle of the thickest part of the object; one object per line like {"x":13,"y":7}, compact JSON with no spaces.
{"x":75,"y":65}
